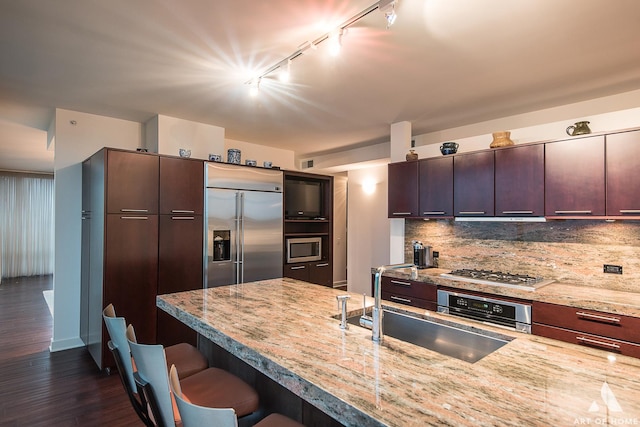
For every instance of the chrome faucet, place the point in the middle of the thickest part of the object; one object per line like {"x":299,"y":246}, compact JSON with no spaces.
{"x":342,"y":304}
{"x":374,"y":322}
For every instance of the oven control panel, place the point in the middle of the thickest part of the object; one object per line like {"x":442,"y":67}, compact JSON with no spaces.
{"x":503,"y":313}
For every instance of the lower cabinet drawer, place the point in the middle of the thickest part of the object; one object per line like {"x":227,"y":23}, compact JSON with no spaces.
{"x":608,"y":344}
{"x":624,"y":328}
{"x":426,"y":291}
{"x":409,"y":300}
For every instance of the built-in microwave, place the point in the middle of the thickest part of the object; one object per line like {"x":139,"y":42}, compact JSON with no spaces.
{"x":303,"y":249}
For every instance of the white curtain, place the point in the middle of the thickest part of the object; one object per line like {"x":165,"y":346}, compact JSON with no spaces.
{"x":26,"y":225}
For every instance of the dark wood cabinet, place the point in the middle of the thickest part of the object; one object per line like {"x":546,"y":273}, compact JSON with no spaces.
{"x":606,"y":331}
{"x":180,"y":245}
{"x":519,"y":181}
{"x":131,"y":272}
{"x":321,"y":271}
{"x":181,"y":186}
{"x":130,"y":252}
{"x":121,"y":243}
{"x":623,"y":174}
{"x":132,"y":182}
{"x":409,"y":292}
{"x":436,"y":187}
{"x":403,"y":189}
{"x":574,"y":177}
{"x":473,"y":184}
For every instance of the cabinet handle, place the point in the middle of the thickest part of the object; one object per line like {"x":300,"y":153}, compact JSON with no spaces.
{"x":434,"y":213}
{"x":597,"y":317}
{"x":630,"y":211}
{"x":401,"y":213}
{"x":300,"y":267}
{"x":177,"y":211}
{"x":573,"y":212}
{"x":135,"y":210}
{"x":517,"y":212}
{"x":598,"y":343}
{"x":472,"y":213}
{"x":144,"y":218}
{"x":324,"y":264}
{"x":183,"y":217}
{"x":400,"y":299}
{"x":396,"y":282}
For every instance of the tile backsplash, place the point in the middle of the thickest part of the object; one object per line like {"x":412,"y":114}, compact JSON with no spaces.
{"x":571,"y":251}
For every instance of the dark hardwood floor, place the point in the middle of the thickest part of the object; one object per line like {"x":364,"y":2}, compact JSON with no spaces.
{"x":39,"y":388}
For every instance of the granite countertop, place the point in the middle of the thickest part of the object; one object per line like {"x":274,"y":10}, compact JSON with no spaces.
{"x":288,"y":330}
{"x":571,"y":294}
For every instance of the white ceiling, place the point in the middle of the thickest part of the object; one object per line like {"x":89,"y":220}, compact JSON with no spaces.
{"x":445,"y":63}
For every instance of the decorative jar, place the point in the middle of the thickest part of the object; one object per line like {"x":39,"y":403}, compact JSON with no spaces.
{"x":412,"y":155}
{"x":233,"y":156}
{"x":501,"y":139}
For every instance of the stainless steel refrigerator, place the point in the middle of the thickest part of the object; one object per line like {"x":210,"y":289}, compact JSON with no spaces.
{"x":244,"y":224}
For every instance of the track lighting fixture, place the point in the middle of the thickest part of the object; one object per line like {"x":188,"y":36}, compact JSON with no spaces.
{"x":387,"y":7}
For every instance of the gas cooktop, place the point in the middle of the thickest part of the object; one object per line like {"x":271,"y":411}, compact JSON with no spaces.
{"x":497,"y":278}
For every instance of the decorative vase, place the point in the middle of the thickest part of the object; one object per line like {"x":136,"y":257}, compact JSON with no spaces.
{"x":233,"y":156}
{"x":501,"y":139}
{"x":412,"y":155}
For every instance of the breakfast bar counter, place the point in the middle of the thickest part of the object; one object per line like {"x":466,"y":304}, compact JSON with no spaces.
{"x":290,"y":331}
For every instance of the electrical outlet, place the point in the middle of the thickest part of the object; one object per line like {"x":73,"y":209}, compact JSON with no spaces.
{"x":613,"y":269}
{"x":436,"y":254}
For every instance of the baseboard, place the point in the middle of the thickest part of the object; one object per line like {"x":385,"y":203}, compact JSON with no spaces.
{"x":67,"y":344}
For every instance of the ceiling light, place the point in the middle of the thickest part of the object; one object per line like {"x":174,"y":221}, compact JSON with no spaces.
{"x":388,"y":7}
{"x":255,"y":87}
{"x":285,"y":72}
{"x":335,"y":43}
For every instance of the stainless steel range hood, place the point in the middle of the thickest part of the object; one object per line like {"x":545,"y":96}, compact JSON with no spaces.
{"x":500,"y":219}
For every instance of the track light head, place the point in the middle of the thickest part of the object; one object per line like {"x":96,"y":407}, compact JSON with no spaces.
{"x":388,"y":8}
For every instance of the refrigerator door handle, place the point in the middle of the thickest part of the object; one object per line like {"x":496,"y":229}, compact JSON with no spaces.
{"x":241,"y":264}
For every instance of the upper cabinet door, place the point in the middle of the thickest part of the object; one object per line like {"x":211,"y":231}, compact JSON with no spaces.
{"x":436,"y":187}
{"x":181,"y":186}
{"x":519,"y":181}
{"x":473,"y":190}
{"x":132,"y":182}
{"x":623,"y":173}
{"x":574,"y":177}
{"x":403,"y":189}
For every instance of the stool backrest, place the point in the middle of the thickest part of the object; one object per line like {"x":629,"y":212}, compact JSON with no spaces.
{"x":196,"y":416}
{"x":117,"y":327}
{"x":152,"y":375}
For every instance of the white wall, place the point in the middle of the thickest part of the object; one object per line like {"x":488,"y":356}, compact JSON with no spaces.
{"x":167,"y":135}
{"x":73,"y":144}
{"x":281,"y":158}
{"x":368,"y":227}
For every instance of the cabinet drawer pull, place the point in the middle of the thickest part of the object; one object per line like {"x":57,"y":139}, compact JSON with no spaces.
{"x":135,"y":210}
{"x":471,"y":212}
{"x":183,"y":217}
{"x":517,"y":212}
{"x":401,"y":213}
{"x":394,"y":298}
{"x":324,"y":264}
{"x":434,"y":213}
{"x":176,"y":211}
{"x":573,"y":212}
{"x":144,"y":218}
{"x":590,"y":316}
{"x":630,"y":211}
{"x":396,"y":282}
{"x":598,"y":343}
{"x":299,"y":267}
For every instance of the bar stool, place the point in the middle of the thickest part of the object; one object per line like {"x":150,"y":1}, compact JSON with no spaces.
{"x":212,"y":387}
{"x":199,"y":416}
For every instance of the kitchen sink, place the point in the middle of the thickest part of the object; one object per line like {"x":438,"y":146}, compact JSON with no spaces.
{"x":469,"y":346}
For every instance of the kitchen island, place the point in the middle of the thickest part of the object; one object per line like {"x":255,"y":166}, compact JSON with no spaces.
{"x":289,"y":331}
